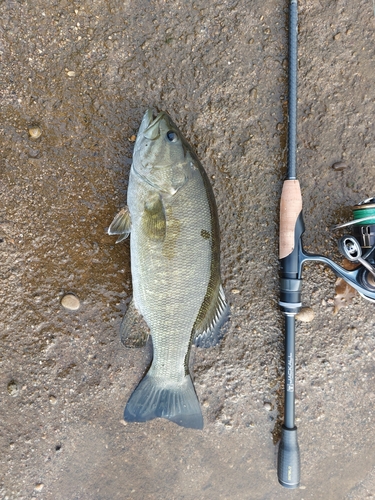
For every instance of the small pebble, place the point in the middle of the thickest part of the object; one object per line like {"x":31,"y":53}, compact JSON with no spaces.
{"x":37,"y":298}
{"x":52,"y":400}
{"x":35,"y":132}
{"x":339,"y":166}
{"x":267,"y":406}
{"x":253,"y":93}
{"x":39,"y":487}
{"x":71,"y":73}
{"x":306,"y":315}
{"x":34,"y":153}
{"x":71,"y":302}
{"x":13,"y":389}
{"x":132,"y":138}
{"x":235,"y":291}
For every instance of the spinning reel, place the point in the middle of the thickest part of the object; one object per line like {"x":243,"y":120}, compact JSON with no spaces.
{"x":357,"y":248}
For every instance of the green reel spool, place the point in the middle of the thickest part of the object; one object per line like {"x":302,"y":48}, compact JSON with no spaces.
{"x":364,"y":212}
{"x":363,"y":223}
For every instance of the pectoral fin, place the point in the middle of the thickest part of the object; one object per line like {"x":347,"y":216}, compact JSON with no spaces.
{"x":154,"y":222}
{"x":121,"y":225}
{"x":134,"y":331}
{"x":213,"y":314}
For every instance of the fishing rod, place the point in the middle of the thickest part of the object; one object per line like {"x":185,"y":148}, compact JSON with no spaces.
{"x":291,"y":229}
{"x":358,"y":247}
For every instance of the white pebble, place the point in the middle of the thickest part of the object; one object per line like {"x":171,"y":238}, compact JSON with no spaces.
{"x":71,"y":73}
{"x":306,"y":315}
{"x":35,"y":132}
{"x":39,"y":487}
{"x":71,"y":302}
{"x":13,"y":389}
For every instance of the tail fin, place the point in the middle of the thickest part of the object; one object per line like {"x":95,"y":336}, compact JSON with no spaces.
{"x":155,"y":398}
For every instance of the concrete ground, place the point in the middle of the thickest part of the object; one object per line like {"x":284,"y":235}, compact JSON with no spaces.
{"x":82,"y":74}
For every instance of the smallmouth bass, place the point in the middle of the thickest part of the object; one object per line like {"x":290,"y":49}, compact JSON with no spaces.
{"x":178,"y":298}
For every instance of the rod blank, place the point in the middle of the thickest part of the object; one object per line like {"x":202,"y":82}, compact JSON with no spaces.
{"x":292,"y":90}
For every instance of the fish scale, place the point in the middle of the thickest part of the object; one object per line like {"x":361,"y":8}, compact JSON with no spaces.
{"x":182,"y":279}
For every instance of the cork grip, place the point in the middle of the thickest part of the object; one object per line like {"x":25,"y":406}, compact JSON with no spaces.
{"x":290,"y":208}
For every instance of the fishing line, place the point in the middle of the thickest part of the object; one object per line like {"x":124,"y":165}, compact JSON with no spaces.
{"x":364,"y":212}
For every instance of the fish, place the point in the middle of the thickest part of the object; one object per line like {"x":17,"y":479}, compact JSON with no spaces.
{"x":178,"y":298}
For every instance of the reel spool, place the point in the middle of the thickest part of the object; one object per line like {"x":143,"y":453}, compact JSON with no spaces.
{"x":364,"y":223}
{"x":359,"y":247}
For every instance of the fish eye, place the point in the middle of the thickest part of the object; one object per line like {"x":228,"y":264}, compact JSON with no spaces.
{"x":171,"y":136}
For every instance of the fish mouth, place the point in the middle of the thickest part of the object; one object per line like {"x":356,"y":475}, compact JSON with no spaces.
{"x":147,"y":119}
{"x":152,"y":131}
{"x":148,"y":129}
{"x":149,"y":122}
{"x":150,"y":125}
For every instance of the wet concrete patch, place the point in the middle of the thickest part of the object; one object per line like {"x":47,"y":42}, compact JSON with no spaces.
{"x":82,"y":75}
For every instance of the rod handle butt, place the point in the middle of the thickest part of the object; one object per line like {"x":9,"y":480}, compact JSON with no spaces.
{"x":288,"y":464}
